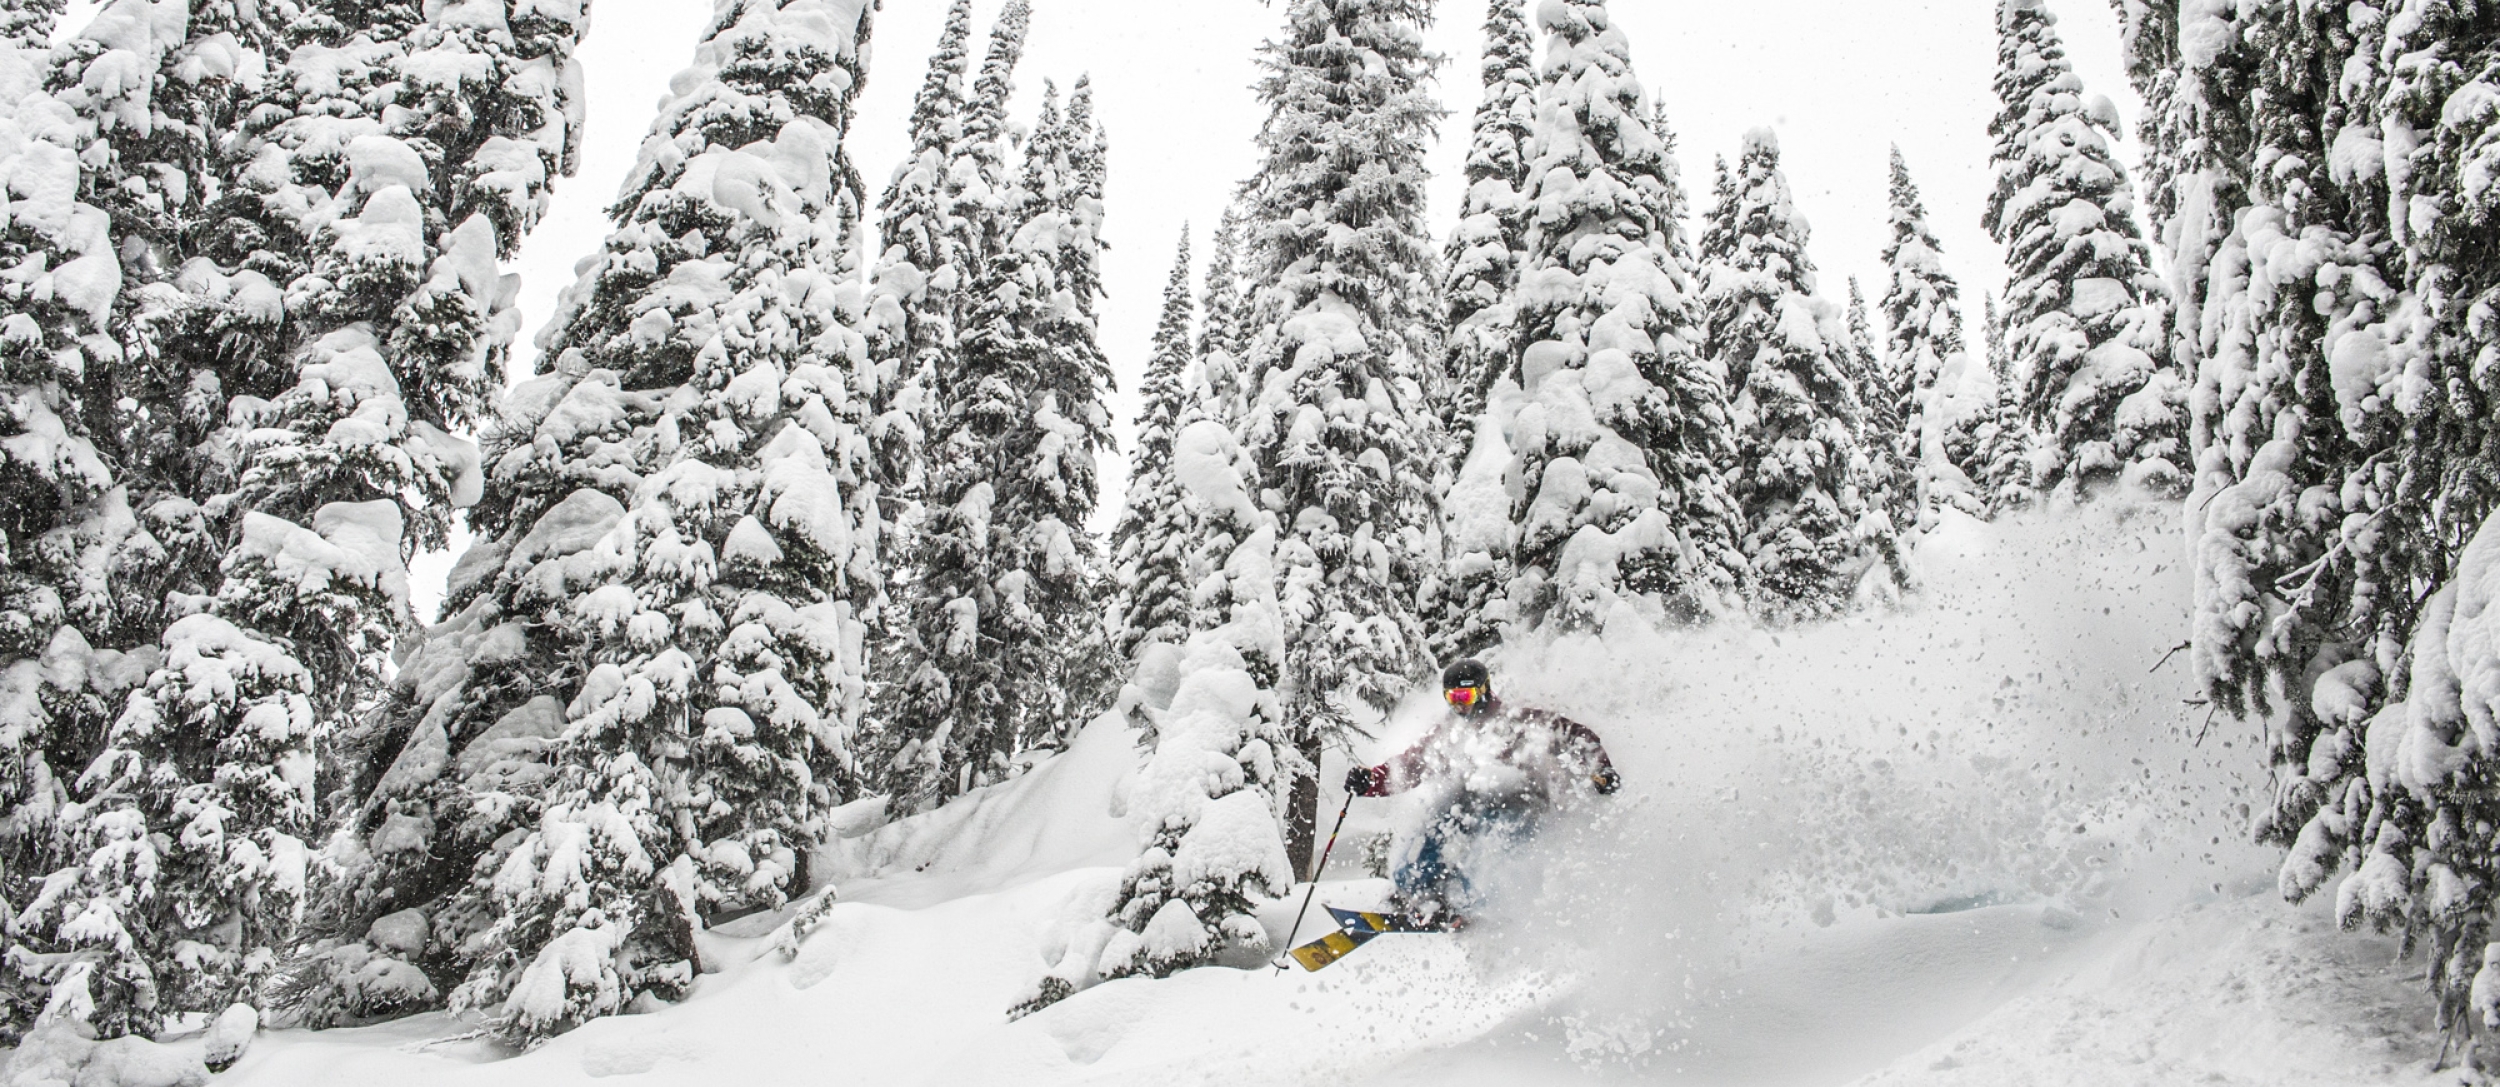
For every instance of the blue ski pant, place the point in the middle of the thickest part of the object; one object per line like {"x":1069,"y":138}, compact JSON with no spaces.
{"x":1461,"y":833}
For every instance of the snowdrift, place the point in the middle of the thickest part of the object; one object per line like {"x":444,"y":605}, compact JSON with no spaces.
{"x":1986,"y":838}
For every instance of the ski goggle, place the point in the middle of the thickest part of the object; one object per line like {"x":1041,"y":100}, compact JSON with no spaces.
{"x":1461,"y":696}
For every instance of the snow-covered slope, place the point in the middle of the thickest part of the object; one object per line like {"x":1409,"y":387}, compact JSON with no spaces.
{"x":1979,"y":841}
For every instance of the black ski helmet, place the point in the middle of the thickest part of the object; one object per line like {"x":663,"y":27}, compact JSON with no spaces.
{"x":1467,"y":673}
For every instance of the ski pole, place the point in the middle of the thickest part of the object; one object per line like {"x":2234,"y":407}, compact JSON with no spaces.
{"x":1316,"y":869}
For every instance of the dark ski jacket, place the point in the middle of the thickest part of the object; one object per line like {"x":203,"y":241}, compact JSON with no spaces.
{"x":1500,"y":758}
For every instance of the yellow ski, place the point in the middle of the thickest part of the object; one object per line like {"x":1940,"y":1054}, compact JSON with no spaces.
{"x":1354,"y":929}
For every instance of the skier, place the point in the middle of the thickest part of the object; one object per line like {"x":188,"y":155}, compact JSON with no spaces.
{"x":1497,"y":770}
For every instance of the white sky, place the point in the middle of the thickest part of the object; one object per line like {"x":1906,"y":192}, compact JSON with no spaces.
{"x":1838,"y":79}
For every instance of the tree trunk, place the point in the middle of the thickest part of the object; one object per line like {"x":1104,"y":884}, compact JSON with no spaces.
{"x":1302,"y":812}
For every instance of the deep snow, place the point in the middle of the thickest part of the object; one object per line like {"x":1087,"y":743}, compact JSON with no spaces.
{"x":1979,"y":840}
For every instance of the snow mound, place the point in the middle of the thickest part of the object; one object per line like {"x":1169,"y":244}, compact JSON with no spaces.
{"x":1061,"y":815}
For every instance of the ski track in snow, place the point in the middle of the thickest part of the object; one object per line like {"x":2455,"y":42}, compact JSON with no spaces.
{"x":1976,"y":841}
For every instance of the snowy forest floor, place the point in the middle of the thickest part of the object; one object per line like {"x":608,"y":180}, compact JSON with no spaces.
{"x":1980,"y":839}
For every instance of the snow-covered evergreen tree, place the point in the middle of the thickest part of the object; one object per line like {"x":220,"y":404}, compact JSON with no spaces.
{"x":2322,"y":182}
{"x":446,"y":176}
{"x":1924,"y":338}
{"x":1484,"y":254}
{"x":1615,"y":425}
{"x":956,"y":212}
{"x":979,"y":182}
{"x":1677,"y":207}
{"x":940,"y":219}
{"x":314,"y":306}
{"x":1147,"y":546}
{"x":1338,"y":425}
{"x":192,"y":336}
{"x":1223,"y":335}
{"x":1005,"y":579}
{"x":404,"y":151}
{"x":1481,"y":261}
{"x":2085,"y":318}
{"x":1208,"y":799}
{"x":1886,"y":479}
{"x":1861,"y":339}
{"x":652,"y":680}
{"x":1878,"y":426}
{"x":1088,"y":170}
{"x":720,"y":694}
{"x":109,"y":140}
{"x":2190,"y":193}
{"x":1210,"y":796}
{"x":1796,"y":410}
{"x":2002,"y":449}
{"x":1075,"y":428}
{"x":911,"y":308}
{"x":61,"y":293}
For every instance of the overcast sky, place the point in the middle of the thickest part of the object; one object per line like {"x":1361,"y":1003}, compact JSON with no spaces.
{"x":1839,"y":80}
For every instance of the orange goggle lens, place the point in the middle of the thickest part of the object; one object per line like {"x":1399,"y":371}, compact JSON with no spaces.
{"x":1461,"y":696}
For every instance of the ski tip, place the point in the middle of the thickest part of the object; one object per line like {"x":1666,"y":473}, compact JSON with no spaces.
{"x":1313,"y":956}
{"x":1327,"y":949}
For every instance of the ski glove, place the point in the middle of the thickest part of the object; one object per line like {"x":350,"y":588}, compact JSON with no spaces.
{"x":1358,"y":780}
{"x":1607,"y":781}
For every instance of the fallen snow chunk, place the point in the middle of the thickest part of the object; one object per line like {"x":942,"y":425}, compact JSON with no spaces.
{"x":403,"y":933}
{"x":230,"y":1035}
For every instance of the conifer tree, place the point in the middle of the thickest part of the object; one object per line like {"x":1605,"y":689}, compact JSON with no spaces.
{"x":2191,"y":193}
{"x":1886,"y":479}
{"x":1007,"y":581}
{"x":915,"y":279}
{"x":973,"y":202}
{"x":2005,"y":448}
{"x":1616,"y":427}
{"x":1924,"y":340}
{"x":687,"y":496}
{"x":716,"y":716}
{"x":295,"y":357}
{"x":1482,"y":261}
{"x":1678,"y":204}
{"x":115,"y":132}
{"x":1796,"y":410}
{"x":1862,"y":363}
{"x":2084,"y":315}
{"x":1223,"y":343}
{"x":1208,"y":798}
{"x":1485,"y":253}
{"x":68,"y":517}
{"x":1210,"y":794}
{"x":198,"y":327}
{"x":981,"y":200}
{"x":1147,"y":544}
{"x":1078,"y":200}
{"x":1338,"y":426}
{"x":1214,"y":394}
{"x":1865,"y":375}
{"x":2321,"y":179}
{"x":67,"y":509}
{"x":1094,"y":669}
{"x":1958,"y":482}
{"x":939,"y":220}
